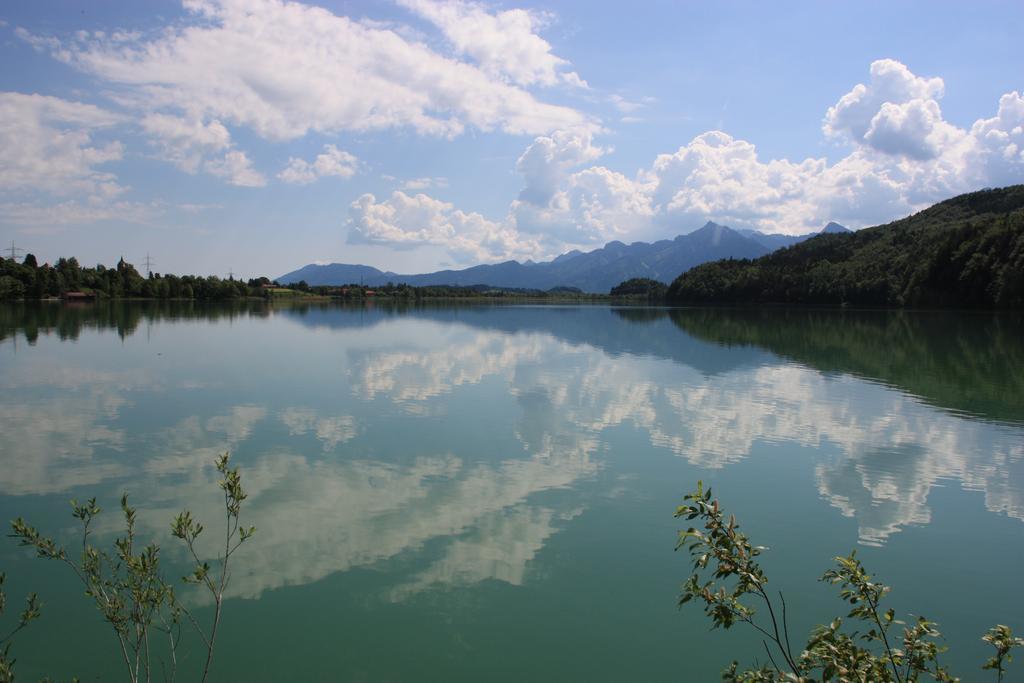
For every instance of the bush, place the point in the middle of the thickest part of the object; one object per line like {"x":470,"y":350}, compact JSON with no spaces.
{"x":728,"y":580}
{"x":127,"y":587}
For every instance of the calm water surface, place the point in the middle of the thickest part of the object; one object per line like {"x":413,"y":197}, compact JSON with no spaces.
{"x":486,"y":492}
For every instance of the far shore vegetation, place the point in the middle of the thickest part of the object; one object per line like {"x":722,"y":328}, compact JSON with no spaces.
{"x":68,"y":280}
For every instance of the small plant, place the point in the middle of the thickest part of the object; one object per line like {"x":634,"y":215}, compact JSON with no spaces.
{"x":188,"y":530}
{"x":1001,"y":638}
{"x":729,"y":582}
{"x":127,"y":586}
{"x":30,"y":613}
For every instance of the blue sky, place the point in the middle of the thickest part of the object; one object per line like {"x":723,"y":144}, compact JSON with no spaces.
{"x":258,"y":135}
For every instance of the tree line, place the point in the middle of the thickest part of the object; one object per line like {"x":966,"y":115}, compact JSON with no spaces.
{"x":29,"y":280}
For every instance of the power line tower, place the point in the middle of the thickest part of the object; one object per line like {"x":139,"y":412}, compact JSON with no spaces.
{"x":231,"y":274}
{"x":14,"y":251}
{"x":149,"y":263}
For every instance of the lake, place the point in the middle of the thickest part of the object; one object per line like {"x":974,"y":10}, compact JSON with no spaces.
{"x":481,"y":492}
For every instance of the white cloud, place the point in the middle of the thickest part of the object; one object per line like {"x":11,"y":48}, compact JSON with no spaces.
{"x":40,"y":218}
{"x":627,"y":106}
{"x":331,"y":162}
{"x":505,"y":44}
{"x":46,"y":143}
{"x":237,"y":169}
{"x":719,"y":177}
{"x":410,"y":221}
{"x":891,"y":82}
{"x":999,"y":142}
{"x":915,"y":129}
{"x":194,"y":146}
{"x":284,"y":69}
{"x":196,"y":208}
{"x":595,"y":205}
{"x":185,"y":142}
{"x":905,"y":156}
{"x":545,"y":162}
{"x":425,"y":183}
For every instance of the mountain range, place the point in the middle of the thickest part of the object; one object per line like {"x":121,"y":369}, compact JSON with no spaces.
{"x":593,"y":271}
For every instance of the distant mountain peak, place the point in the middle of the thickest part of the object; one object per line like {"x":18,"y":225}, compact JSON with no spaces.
{"x":715,"y":234}
{"x":567,"y":255}
{"x":834,"y":227}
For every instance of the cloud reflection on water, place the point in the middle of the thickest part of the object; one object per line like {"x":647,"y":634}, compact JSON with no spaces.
{"x":470,"y":518}
{"x":892,"y":449}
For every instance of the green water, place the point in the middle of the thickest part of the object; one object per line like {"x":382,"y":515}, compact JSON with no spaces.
{"x":486,"y":492}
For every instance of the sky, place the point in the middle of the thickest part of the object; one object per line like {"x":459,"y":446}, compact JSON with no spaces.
{"x":255,"y":136}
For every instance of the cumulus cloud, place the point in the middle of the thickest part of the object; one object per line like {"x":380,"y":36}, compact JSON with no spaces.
{"x":718,"y":175}
{"x":284,"y":69}
{"x":236,"y":168}
{"x":193,"y":146}
{"x":999,"y":142}
{"x":505,"y":44}
{"x":891,"y":82}
{"x":185,"y":142}
{"x":331,"y":162}
{"x":904,"y":156}
{"x":594,"y":205}
{"x":544,"y":163}
{"x":52,"y":155}
{"x":915,"y":129}
{"x":47,"y":143}
{"x":409,"y":221}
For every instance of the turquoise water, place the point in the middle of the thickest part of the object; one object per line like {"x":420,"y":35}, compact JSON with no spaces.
{"x":486,"y":492}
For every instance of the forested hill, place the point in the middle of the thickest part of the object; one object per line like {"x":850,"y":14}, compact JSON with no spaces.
{"x":966,"y":252}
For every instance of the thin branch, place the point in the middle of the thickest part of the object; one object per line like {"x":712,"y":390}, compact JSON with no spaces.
{"x":748,"y":620}
{"x":785,"y":625}
{"x":218,"y":595}
{"x":772,"y":659}
{"x":885,"y":639}
{"x":11,"y":634}
{"x":195,"y":624}
{"x":775,"y":627}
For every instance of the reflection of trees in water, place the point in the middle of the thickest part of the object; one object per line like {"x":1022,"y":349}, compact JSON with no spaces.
{"x":969,"y":362}
{"x":125,"y":316}
{"x":891,"y":450}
